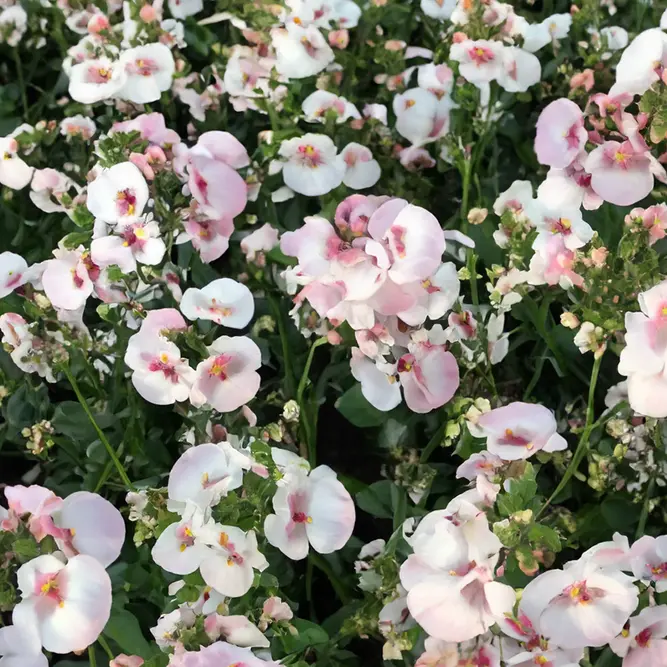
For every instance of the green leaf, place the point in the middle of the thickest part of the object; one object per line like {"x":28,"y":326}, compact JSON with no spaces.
{"x":620,"y":513}
{"x":544,"y":536}
{"x":377,"y":499}
{"x":357,"y":410}
{"x":310,"y":634}
{"x":71,"y":420}
{"x":123,"y":628}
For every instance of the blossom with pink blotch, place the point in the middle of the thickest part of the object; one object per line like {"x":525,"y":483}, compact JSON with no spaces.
{"x":123,"y":660}
{"x":118,"y":194}
{"x":228,"y":378}
{"x":216,"y":186}
{"x":360,"y":169}
{"x":14,"y":172}
{"x":310,"y":509}
{"x":640,"y":64}
{"x":519,"y":70}
{"x":553,"y":264}
{"x":161,"y":322}
{"x":219,"y":653}
{"x":449,"y":577}
{"x":300,"y":51}
{"x":644,"y":358}
{"x":481,"y":463}
{"x":564,"y":221}
{"x":233,"y":557}
{"x":620,"y":174}
{"x":95,"y":80}
{"x":582,"y":605}
{"x":47,"y":189}
{"x":149,"y":70}
{"x":223,"y":147}
{"x":68,"y":279}
{"x":223,"y":301}
{"x":519,"y":430}
{"x":262,"y":239}
{"x":237,"y":630}
{"x":648,"y":560}
{"x":20,"y":647}
{"x":643,"y":643}
{"x":561,"y":134}
{"x":132,"y":244}
{"x":69,"y":604}
{"x":91,"y":526}
{"x":160,"y":374}
{"x":78,"y":126}
{"x":653,"y":218}
{"x":152,"y":128}
{"x":13,"y":270}
{"x":209,"y":235}
{"x":422,"y":116}
{"x":311,"y":166}
{"x":318,"y":105}
{"x":480,"y":61}
{"x":202,"y":475}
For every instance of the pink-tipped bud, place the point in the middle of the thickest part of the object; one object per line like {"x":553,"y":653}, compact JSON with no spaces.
{"x":459,"y":37}
{"x":97,"y":23}
{"x":334,"y":337}
{"x":339,"y":39}
{"x":148,"y":14}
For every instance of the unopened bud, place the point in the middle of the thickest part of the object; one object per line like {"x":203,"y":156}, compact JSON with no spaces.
{"x":569,"y":320}
{"x":476,"y":216}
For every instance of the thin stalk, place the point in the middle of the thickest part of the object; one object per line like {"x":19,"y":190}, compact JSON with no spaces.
{"x":105,"y":645}
{"x":645,"y":508}
{"x":100,"y":433}
{"x":91,"y":656}
{"x":433,"y":443}
{"x":19,"y":74}
{"x":309,"y":361}
{"x":287,"y":365}
{"x":583,"y":441}
{"x":308,"y":452}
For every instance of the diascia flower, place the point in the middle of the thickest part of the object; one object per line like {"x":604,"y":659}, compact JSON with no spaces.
{"x":582,"y":605}
{"x":224,"y":301}
{"x":300,"y":51}
{"x":480,"y":61}
{"x":519,"y":430}
{"x":310,"y":509}
{"x":118,"y":194}
{"x":20,"y":647}
{"x":311,"y":167}
{"x":68,"y":279}
{"x":69,"y":604}
{"x":561,"y":134}
{"x":149,"y":70}
{"x":14,"y":172}
{"x":228,"y":378}
{"x":95,"y":80}
{"x":12,"y":272}
{"x":643,"y":643}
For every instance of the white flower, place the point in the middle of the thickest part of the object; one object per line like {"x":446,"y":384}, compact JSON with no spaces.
{"x":300,"y":52}
{"x":13,"y":24}
{"x":311,"y":168}
{"x":223,"y":301}
{"x":149,"y":70}
{"x":118,"y":194}
{"x":96,"y":80}
{"x":181,"y":9}
{"x":360,"y":169}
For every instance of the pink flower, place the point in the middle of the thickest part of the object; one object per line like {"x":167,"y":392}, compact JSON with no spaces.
{"x":519,"y":430}
{"x":202,"y":475}
{"x":449,"y":577}
{"x":311,"y":166}
{"x":619,"y":174}
{"x":648,"y":560}
{"x":561,"y":134}
{"x":137,"y":242}
{"x":339,"y":39}
{"x":481,"y":61}
{"x":224,"y":301}
{"x":228,"y":378}
{"x":361,"y":171}
{"x":161,"y":375}
{"x":12,"y":272}
{"x":263,"y":239}
{"x":216,"y":186}
{"x":553,"y":264}
{"x":69,"y":605}
{"x":643,"y":644}
{"x":68,"y":279}
{"x":209,"y":235}
{"x":152,"y":128}
{"x":585,"y":80}
{"x":277,"y":610}
{"x":118,"y":194}
{"x":236,"y":630}
{"x":313,"y":509}
{"x":580,"y":606}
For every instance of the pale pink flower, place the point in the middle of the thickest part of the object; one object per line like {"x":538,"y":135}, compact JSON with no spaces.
{"x":160,"y":374}
{"x":216,"y":186}
{"x":339,"y":39}
{"x":640,"y":64}
{"x":202,"y":475}
{"x":519,"y":71}
{"x":69,"y":605}
{"x":648,"y":560}
{"x":223,"y":301}
{"x":619,"y":174}
{"x":14,"y":172}
{"x":580,"y":606}
{"x":13,"y":272}
{"x":209,"y":236}
{"x":78,"y":126}
{"x":585,"y":80}
{"x":152,"y":128}
{"x":277,"y":610}
{"x":643,"y":643}
{"x":482,"y":463}
{"x":311,"y":167}
{"x":123,"y":660}
{"x":422,"y":116}
{"x":262,"y":239}
{"x":314,"y":510}
{"x":149,"y":70}
{"x":95,"y":80}
{"x":317,"y":106}
{"x":133,"y":243}
{"x":300,"y":51}
{"x":20,"y":646}
{"x":118,"y":194}
{"x":481,"y":61}
{"x":228,"y":379}
{"x":68,"y":279}
{"x":360,"y":170}
{"x":519,"y":430}
{"x":237,"y":630}
{"x":553,"y":264}
{"x":561,"y":134}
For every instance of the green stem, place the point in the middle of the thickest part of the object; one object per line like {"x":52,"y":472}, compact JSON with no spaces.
{"x":321,"y":564}
{"x":19,"y":74}
{"x":105,"y":645}
{"x":100,"y":433}
{"x":304,"y":376}
{"x":287,"y":366}
{"x":308,"y":451}
{"x":91,"y":656}
{"x":433,"y":443}
{"x":645,"y":509}
{"x":583,"y":442}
